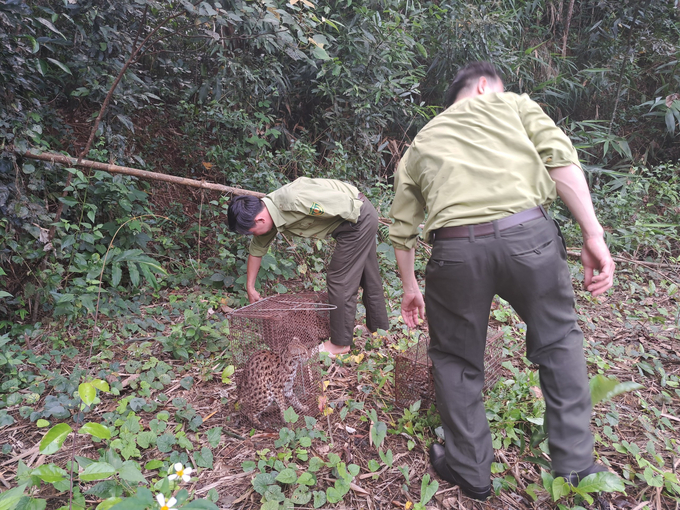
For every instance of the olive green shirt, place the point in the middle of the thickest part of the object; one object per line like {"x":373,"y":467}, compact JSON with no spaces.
{"x":308,"y":208}
{"x":482,"y":159}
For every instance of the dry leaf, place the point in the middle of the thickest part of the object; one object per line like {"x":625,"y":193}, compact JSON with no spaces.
{"x":358,"y":489}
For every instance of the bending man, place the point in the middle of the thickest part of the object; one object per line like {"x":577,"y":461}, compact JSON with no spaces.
{"x":484,"y":169}
{"x":316,"y":208}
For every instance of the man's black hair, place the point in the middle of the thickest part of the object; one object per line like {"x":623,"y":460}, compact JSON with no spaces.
{"x":467,"y":76}
{"x":242,"y":211}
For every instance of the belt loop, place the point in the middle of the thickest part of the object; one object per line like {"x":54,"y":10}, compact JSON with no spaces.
{"x":545,"y":213}
{"x":496,"y":230}
{"x":471,"y":233}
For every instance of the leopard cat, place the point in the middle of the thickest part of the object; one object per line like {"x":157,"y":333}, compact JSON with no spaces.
{"x":268,"y":379}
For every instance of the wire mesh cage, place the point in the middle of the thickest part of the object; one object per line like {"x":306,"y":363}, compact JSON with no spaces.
{"x":413,"y":379}
{"x":274,"y":343}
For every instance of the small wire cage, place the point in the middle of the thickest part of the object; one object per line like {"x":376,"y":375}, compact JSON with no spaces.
{"x":413,"y":379}
{"x":273,"y":324}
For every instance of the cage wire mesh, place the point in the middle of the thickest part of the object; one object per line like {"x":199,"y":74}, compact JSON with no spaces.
{"x":274,"y":324}
{"x":413,"y":378}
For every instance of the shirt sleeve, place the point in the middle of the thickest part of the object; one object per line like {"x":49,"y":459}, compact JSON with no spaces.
{"x":553,"y":146}
{"x":408,"y":208}
{"x":259,"y":245}
{"x":319,"y":201}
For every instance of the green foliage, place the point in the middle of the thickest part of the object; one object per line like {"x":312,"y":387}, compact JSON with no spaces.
{"x":605,"y":388}
{"x":557,"y":487}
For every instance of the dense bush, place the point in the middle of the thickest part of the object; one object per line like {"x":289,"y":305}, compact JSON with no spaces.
{"x":254,"y":93}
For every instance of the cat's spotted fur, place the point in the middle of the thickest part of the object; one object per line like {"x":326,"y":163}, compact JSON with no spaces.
{"x":268,"y":378}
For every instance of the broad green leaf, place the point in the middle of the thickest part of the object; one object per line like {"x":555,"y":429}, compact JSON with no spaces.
{"x":96,"y":430}
{"x":605,"y":388}
{"x":532,"y":490}
{"x":49,"y":25}
{"x":321,"y":54}
{"x":27,"y":503}
{"x":134,"y":272}
{"x":116,"y":274}
{"x":50,"y":473}
{"x":61,"y":66}
{"x":42,"y":423}
{"x":306,"y":478}
{"x":287,"y":476}
{"x":270,"y":505}
{"x":427,"y":489}
{"x":315,"y":463}
{"x":547,"y":479}
{"x":131,"y":473}
{"x":301,"y":496}
{"x":560,"y":488}
{"x":227,"y":373}
{"x":97,"y":471}
{"x":101,"y":385}
{"x":9,"y":499}
{"x":54,"y":438}
{"x":262,"y":481}
{"x":290,"y":416}
{"x":602,"y":482}
{"x":108,"y":503}
{"x":319,"y":499}
{"x":332,"y":495}
{"x":87,"y":393}
{"x":153,"y":464}
{"x":378,"y":433}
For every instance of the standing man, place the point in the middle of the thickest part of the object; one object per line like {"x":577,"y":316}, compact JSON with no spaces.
{"x":316,"y":208}
{"x":483,"y":170}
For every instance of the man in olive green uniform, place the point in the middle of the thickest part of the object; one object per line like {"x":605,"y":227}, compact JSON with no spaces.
{"x":317,"y":208}
{"x":483,"y":170}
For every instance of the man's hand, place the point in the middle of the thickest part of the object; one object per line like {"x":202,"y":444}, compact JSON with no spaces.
{"x":595,"y":256}
{"x":412,"y":308}
{"x":253,"y":295}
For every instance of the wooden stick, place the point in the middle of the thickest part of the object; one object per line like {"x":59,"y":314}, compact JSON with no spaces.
{"x":573,"y":253}
{"x":142,"y":174}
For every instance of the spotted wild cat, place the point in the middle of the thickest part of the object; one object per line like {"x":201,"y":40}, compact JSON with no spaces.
{"x":268,"y":378}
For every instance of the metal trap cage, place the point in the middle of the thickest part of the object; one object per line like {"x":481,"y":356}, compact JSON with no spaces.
{"x":413,"y":378}
{"x":273,"y":324}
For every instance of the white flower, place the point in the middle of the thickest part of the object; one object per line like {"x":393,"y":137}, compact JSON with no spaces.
{"x":181,"y":472}
{"x":165,"y":506}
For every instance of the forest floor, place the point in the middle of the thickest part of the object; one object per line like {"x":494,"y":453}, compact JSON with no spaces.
{"x":633,"y":334}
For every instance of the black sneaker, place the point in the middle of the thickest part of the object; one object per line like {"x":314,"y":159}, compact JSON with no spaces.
{"x":574,"y":478}
{"x":438,"y":460}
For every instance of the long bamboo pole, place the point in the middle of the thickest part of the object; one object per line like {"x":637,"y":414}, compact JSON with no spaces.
{"x":142,"y":174}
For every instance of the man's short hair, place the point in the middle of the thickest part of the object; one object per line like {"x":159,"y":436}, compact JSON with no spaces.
{"x":242,"y":211}
{"x":467,"y":76}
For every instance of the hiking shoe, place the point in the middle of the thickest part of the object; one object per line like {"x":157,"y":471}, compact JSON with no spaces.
{"x":438,"y":461}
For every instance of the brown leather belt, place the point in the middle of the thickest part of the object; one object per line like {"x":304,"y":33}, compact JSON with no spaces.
{"x":485,"y":229}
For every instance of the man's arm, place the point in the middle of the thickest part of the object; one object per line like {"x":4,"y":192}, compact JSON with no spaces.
{"x":412,"y":304}
{"x":253,"y":268}
{"x":572,"y":188}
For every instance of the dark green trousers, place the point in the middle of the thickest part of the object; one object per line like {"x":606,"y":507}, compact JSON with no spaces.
{"x":355,"y":264}
{"x":525,"y":265}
